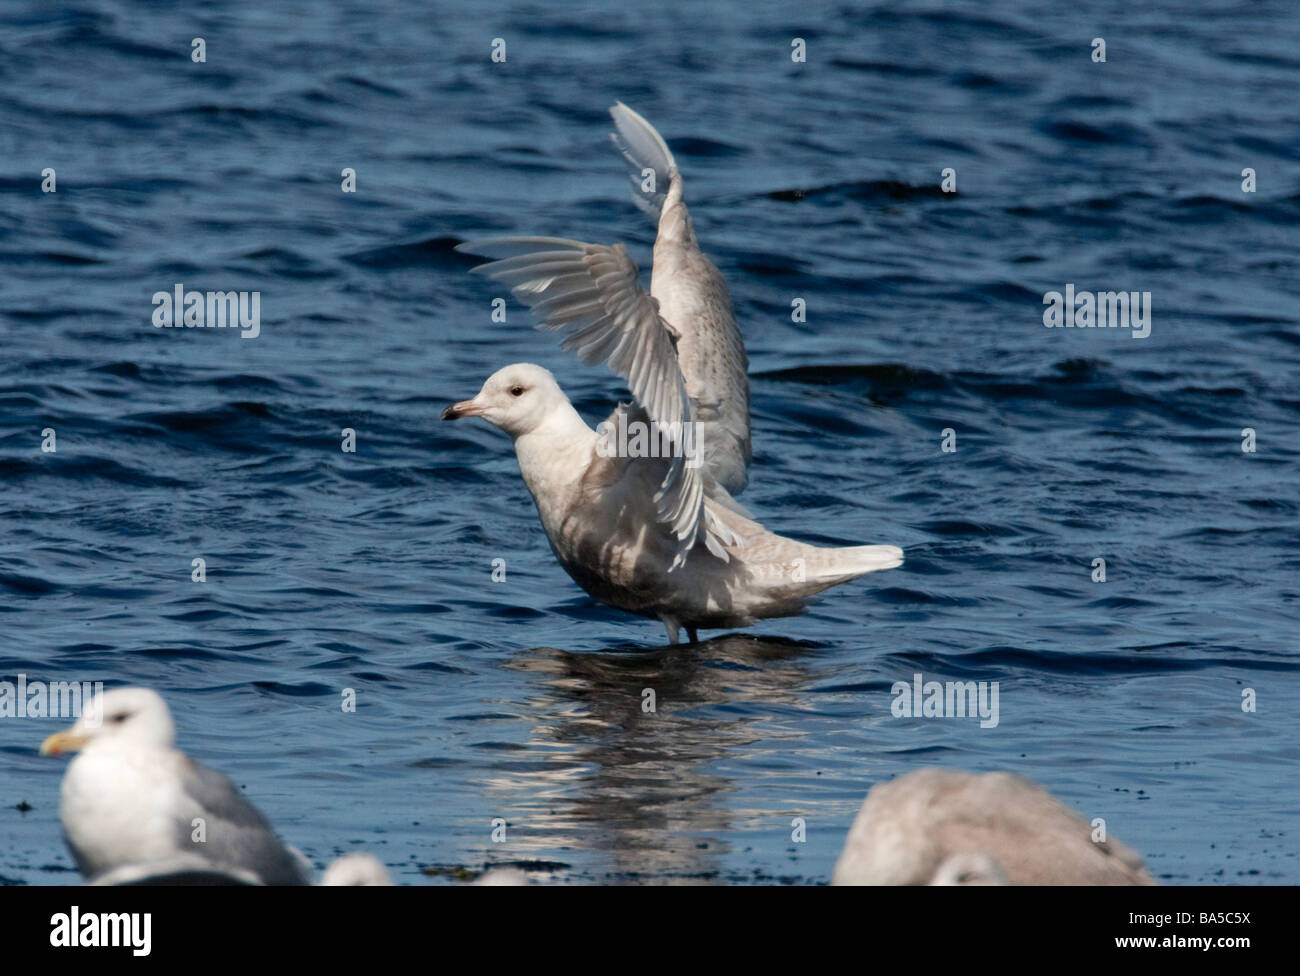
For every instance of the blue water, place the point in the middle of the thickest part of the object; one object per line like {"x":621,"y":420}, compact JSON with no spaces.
{"x":521,"y":700}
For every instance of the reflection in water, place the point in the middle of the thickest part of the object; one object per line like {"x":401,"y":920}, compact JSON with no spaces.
{"x":642,"y":785}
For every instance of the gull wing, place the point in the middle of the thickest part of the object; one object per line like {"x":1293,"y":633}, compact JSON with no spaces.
{"x":237,"y":834}
{"x":694,"y":301}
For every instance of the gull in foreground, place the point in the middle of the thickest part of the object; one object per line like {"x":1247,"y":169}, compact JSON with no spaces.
{"x":641,"y":512}
{"x":942,"y":827}
{"x":130,"y":799}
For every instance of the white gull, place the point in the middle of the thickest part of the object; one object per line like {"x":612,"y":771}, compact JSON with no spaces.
{"x":130,"y":799}
{"x":660,"y":536}
{"x":356,"y":870}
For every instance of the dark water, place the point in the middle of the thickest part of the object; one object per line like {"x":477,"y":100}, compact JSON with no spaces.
{"x":522,"y":700}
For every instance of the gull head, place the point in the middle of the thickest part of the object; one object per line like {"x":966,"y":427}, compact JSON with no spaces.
{"x":516,"y":398}
{"x":124,"y":715}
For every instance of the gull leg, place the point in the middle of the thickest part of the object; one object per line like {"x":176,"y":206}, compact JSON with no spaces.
{"x":690,"y":632}
{"x":673,"y":628}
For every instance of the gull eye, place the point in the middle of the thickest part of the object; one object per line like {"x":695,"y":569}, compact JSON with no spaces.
{"x":119,"y":718}
{"x":516,"y":391}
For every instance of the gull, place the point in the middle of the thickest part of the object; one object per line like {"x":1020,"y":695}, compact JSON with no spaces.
{"x":131,"y":799}
{"x":943,"y":827}
{"x":356,"y":870}
{"x":641,"y":512}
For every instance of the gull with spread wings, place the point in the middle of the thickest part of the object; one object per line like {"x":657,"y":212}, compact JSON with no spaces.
{"x":656,"y":532}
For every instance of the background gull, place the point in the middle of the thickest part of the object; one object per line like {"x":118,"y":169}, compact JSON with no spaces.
{"x":658,"y":536}
{"x":355,"y":870}
{"x":130,"y":799}
{"x":943,"y":827}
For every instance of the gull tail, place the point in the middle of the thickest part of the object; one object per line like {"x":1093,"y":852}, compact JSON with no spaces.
{"x":782,"y":574}
{"x":828,"y":567}
{"x":645,"y":150}
{"x":787,"y":574}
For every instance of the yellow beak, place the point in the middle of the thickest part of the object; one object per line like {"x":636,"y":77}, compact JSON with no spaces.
{"x":65,"y":741}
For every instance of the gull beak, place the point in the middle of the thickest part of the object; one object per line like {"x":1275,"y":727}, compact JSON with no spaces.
{"x":466,"y":408}
{"x":60,"y":742}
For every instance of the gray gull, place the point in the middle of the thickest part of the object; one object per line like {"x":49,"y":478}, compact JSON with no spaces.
{"x":131,"y":799}
{"x":943,"y":827}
